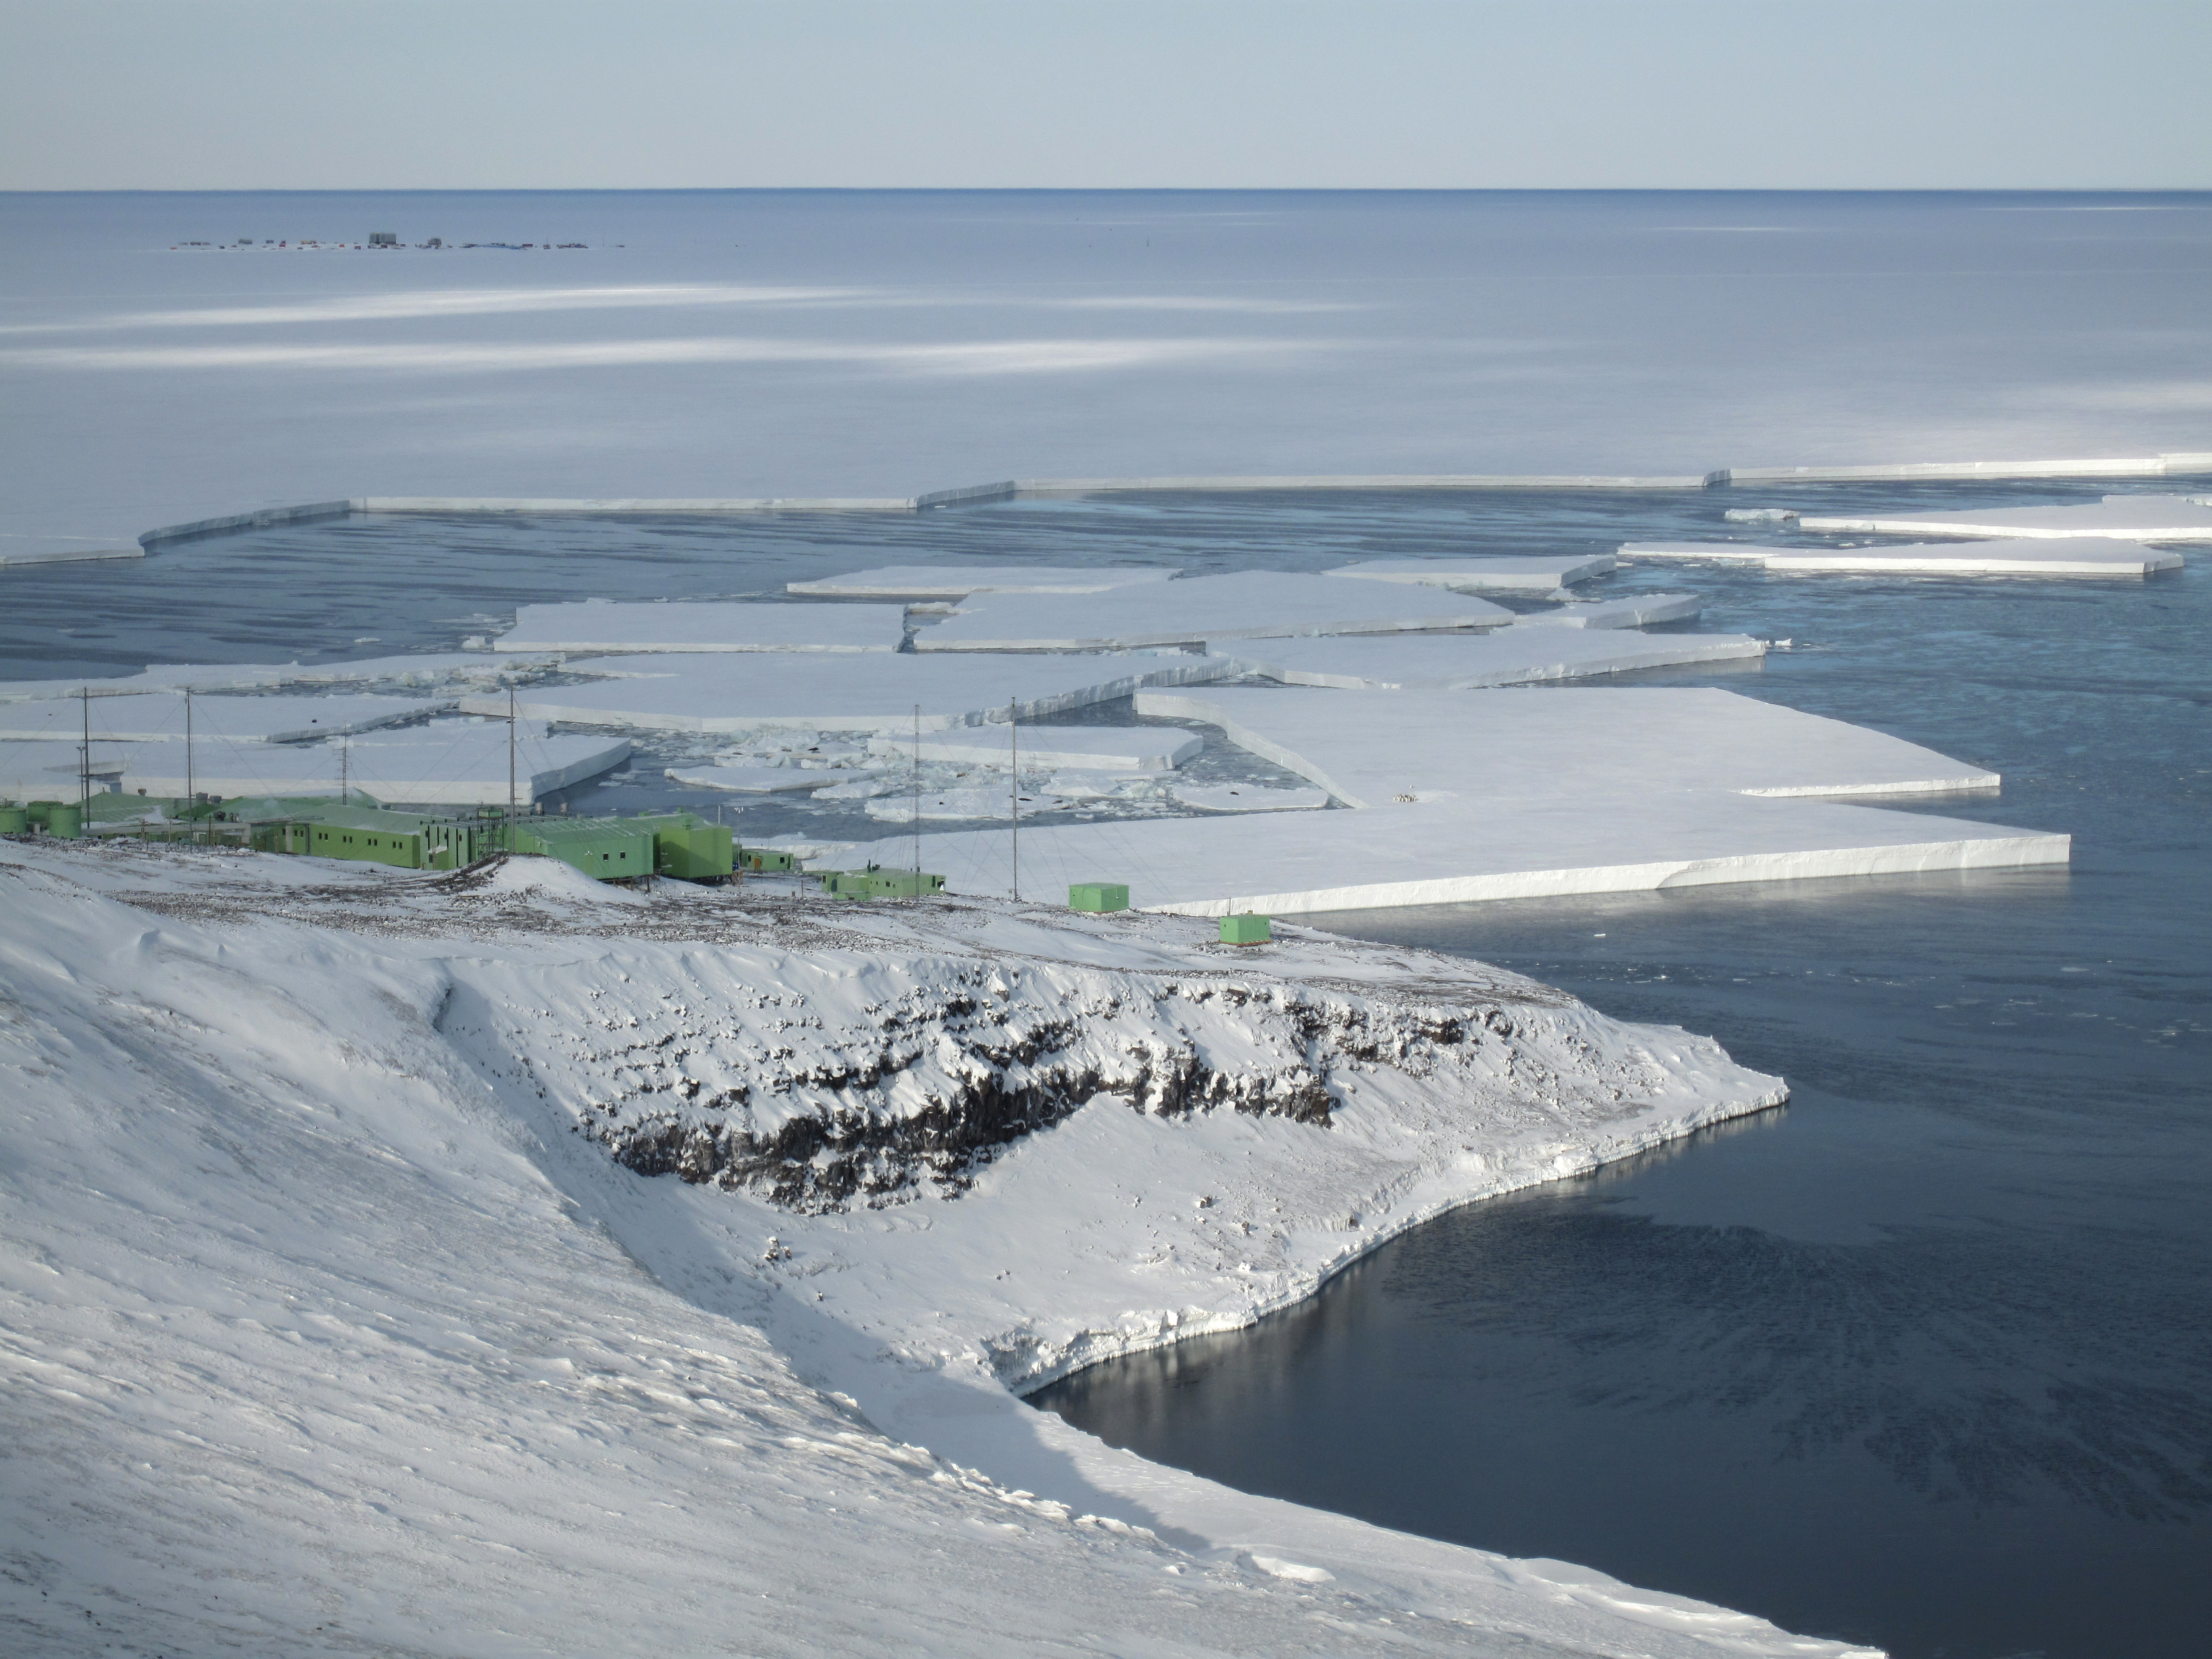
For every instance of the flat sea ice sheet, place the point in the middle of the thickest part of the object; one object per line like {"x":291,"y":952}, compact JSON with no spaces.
{"x":1369,"y":750}
{"x":1632,"y":610}
{"x":1506,"y":656}
{"x":1247,"y":605}
{"x":1096,"y":749}
{"x":603,"y":625}
{"x":2070,"y":555}
{"x":750,"y":780}
{"x":2128,"y":518}
{"x":156,"y":716}
{"x":457,"y":764}
{"x":432,"y":670}
{"x":1507,"y":575}
{"x":928,"y":581}
{"x":871,"y":692}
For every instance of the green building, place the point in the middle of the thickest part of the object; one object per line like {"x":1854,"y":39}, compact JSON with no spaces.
{"x":1098,"y":896}
{"x":875,"y":882}
{"x":1246,"y":930}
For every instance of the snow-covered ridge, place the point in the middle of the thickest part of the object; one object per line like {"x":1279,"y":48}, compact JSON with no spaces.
{"x":333,"y":1332}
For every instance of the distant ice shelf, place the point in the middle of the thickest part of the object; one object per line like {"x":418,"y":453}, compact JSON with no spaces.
{"x":871,"y":692}
{"x":36,"y":551}
{"x":2070,"y":556}
{"x":1506,"y":656}
{"x":600,"y":625}
{"x":1247,"y":604}
{"x":1539,"y":575}
{"x":1519,"y":794}
{"x":922,"y":581}
{"x":2127,"y":518}
{"x":1124,"y":748}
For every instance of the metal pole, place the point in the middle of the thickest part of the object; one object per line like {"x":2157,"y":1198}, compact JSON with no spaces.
{"x":510,"y":769}
{"x":917,"y":800}
{"x":189,"y":795}
{"x":84,"y":757}
{"x":346,"y":769}
{"x":1014,"y":791}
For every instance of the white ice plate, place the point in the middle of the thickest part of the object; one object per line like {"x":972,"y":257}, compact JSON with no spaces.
{"x":455,"y":764}
{"x":1098,"y":749}
{"x":1518,"y":794}
{"x":1247,"y":605}
{"x":2126,"y":518}
{"x":2071,"y":556}
{"x":747,"y":779}
{"x":1507,"y":656}
{"x":927,"y":582}
{"x":154,"y":717}
{"x":427,"y":670}
{"x":600,"y":625}
{"x":1538,"y":575}
{"x":1632,"y":610}
{"x":875,"y":692}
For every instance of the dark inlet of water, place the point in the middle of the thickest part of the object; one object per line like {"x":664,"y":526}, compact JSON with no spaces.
{"x":1924,"y":1359}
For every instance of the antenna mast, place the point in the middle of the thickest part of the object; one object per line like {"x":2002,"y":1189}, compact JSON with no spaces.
{"x":917,"y":802}
{"x":510,"y":769}
{"x":189,"y":782}
{"x":1014,"y":791}
{"x":84,"y":754}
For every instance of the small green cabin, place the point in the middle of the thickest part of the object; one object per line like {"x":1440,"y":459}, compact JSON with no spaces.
{"x":1246,"y":929}
{"x":1098,"y":896}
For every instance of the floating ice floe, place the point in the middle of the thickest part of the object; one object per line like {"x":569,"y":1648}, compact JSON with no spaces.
{"x":1508,"y":656}
{"x":748,"y":780}
{"x":1540,"y":575}
{"x":1632,"y":610}
{"x":154,"y":717}
{"x":925,"y":581}
{"x":452,"y":765}
{"x":1482,"y":795}
{"x":875,"y":692}
{"x":1758,"y":515}
{"x":422,"y":671}
{"x":986,"y":803}
{"x":50,"y":554}
{"x":2125,"y":518}
{"x":1248,"y":798}
{"x":600,"y":625}
{"x":864,"y":786}
{"x":1098,"y":749}
{"x":1247,"y":605}
{"x":1094,"y":786}
{"x":2073,"y":555}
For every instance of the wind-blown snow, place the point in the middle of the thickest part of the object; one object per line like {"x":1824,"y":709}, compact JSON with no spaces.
{"x":328,"y":1333}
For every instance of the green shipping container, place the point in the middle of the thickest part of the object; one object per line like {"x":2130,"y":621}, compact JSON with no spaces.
{"x":691,"y":849}
{"x":1100,"y":895}
{"x":1246,"y":930}
{"x":766,"y":861}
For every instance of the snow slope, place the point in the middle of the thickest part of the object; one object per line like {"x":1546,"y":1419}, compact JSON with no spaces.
{"x":327,"y":1332}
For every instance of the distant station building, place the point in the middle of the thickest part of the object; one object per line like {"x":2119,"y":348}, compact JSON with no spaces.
{"x":384,"y":239}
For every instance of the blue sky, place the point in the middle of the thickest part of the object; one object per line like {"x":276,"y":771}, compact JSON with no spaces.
{"x":1192,"y":94}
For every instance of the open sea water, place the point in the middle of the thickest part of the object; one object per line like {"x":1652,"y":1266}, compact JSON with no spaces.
{"x":1923,"y":1358}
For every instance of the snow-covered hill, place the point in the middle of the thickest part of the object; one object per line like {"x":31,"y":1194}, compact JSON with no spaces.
{"x":335,"y":1323}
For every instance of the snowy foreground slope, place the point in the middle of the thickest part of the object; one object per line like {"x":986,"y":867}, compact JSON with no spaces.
{"x":330,"y":1329}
